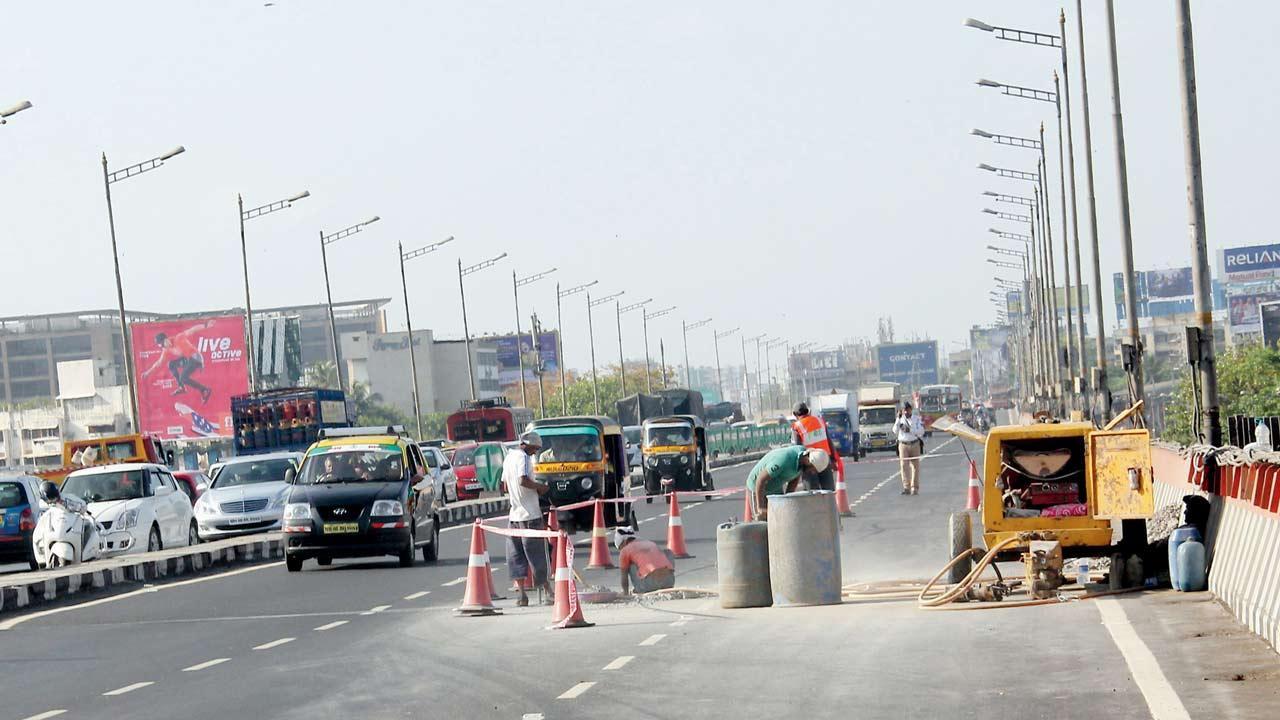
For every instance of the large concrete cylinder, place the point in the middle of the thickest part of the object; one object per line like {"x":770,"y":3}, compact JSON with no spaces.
{"x":804,"y":549}
{"x":742,"y":558}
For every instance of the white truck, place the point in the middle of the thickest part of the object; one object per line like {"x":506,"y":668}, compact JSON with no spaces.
{"x":877,"y":411}
{"x":839,"y":410}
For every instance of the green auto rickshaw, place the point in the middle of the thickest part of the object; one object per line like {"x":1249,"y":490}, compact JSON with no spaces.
{"x":583,"y":458}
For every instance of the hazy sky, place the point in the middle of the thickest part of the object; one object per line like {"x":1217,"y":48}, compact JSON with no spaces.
{"x":720,"y":156}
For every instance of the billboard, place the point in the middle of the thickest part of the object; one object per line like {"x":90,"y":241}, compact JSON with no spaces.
{"x":1163,"y":293}
{"x":820,"y":368}
{"x":187,"y":371}
{"x":913,"y":364}
{"x":1251,"y":263}
{"x":1269,"y":313}
{"x":1243,"y":309}
{"x":509,"y":358}
{"x":991,"y":356}
{"x":1013,"y":303}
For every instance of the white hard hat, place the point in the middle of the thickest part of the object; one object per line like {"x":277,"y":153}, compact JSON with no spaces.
{"x":532,"y":439}
{"x":819,"y":459}
{"x":621,"y":535}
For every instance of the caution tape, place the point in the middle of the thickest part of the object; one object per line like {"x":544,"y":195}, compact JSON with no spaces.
{"x":518,"y":532}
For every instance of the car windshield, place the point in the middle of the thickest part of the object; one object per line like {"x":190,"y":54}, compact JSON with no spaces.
{"x":11,"y":495}
{"x":464,"y":456}
{"x":877,"y":416}
{"x":665,"y":435}
{"x":632,"y":434}
{"x":249,"y":473}
{"x":570,"y":448}
{"x":836,"y":422}
{"x":352,"y":465}
{"x":106,"y":486}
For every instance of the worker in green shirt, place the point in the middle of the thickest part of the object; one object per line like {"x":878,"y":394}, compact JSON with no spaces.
{"x":779,"y":471}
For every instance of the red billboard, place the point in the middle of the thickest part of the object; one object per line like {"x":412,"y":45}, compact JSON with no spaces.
{"x":187,"y":371}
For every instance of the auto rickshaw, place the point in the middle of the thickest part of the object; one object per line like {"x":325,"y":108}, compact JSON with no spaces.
{"x":674,"y":455}
{"x":1054,"y":489}
{"x":583,"y":458}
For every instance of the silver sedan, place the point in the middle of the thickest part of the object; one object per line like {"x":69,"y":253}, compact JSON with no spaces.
{"x":245,"y":495}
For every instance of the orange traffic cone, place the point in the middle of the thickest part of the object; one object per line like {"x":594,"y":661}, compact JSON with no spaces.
{"x":975,"y":489}
{"x":675,"y":531}
{"x":842,"y":495}
{"x":478,"y":599}
{"x":599,"y":542}
{"x":568,"y":609}
{"x":746,"y":504}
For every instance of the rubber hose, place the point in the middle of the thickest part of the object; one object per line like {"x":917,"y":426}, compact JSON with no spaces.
{"x":957,"y":591}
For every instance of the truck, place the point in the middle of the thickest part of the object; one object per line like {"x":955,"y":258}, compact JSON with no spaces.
{"x":839,"y":411}
{"x":286,"y":419}
{"x":108,"y":450}
{"x":877,"y":411}
{"x":633,"y":410}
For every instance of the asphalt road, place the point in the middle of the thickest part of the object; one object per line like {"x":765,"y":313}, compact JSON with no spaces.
{"x":368,"y":639}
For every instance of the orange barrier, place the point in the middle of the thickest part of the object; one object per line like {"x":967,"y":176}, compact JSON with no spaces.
{"x":975,"y":488}
{"x":599,"y":542}
{"x":675,"y":530}
{"x":568,"y":609}
{"x":478,"y":599}
{"x":842,"y":495}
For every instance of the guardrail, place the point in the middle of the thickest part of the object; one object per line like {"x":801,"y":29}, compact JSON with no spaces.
{"x":738,"y":441}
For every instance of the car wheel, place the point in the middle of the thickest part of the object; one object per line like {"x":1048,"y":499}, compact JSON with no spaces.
{"x":406,"y":555}
{"x":431,"y":551}
{"x":193,"y":534}
{"x":292,"y":563}
{"x":153,"y":540}
{"x":323,"y":561}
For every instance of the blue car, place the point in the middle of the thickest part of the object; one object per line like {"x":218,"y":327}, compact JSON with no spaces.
{"x":19,"y":512}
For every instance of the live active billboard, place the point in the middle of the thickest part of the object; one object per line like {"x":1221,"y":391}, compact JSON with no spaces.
{"x":913,"y":364}
{"x":187,"y":372}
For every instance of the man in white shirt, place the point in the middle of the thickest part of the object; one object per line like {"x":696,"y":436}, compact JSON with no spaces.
{"x":523,"y":492}
{"x":910,"y":432}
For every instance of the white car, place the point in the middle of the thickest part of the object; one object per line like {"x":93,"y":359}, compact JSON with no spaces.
{"x":446,"y":480}
{"x":245,"y":495}
{"x":138,"y":505}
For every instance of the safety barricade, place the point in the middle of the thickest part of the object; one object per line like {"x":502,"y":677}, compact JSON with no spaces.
{"x":478,"y":597}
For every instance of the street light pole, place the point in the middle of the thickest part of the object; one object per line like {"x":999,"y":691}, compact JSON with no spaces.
{"x":1211,"y":433}
{"x":591,"y":331}
{"x":246,"y":215}
{"x":325,"y":241}
{"x":560,"y":295}
{"x":648,"y":375}
{"x":408,"y":320}
{"x":685,"y":328}
{"x":719,"y":379}
{"x":622,"y":362}
{"x":109,"y":178}
{"x":516,"y":284}
{"x":466,"y":330}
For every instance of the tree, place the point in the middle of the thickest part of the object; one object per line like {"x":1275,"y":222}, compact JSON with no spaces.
{"x":323,"y":374}
{"x":1248,"y":384}
{"x":580,"y":395}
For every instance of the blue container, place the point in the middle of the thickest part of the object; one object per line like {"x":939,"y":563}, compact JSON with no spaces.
{"x":1179,"y":536}
{"x":1191,"y":567}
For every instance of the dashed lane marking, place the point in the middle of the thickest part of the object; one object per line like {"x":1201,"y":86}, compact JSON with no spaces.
{"x":55,"y":713}
{"x":205,"y":665}
{"x":127,"y":689}
{"x":619,"y":663}
{"x":415,"y":596}
{"x":531,"y":716}
{"x":458,"y":581}
{"x":375,"y":609}
{"x":886,"y":481}
{"x":684,"y":619}
{"x":652,"y":640}
{"x":576,"y":690}
{"x":274,"y":643}
{"x":332,"y":625}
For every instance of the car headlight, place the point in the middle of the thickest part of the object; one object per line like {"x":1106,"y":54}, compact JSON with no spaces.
{"x":127,"y":519}
{"x":684,"y":459}
{"x":387,"y":507}
{"x":652,"y":461}
{"x":586,"y":483}
{"x":297,"y":511}
{"x":278,"y":502}
{"x":204,"y":507}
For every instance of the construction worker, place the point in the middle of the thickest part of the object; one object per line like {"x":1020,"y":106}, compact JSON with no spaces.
{"x":779,"y":472}
{"x":643,"y":565}
{"x":811,"y":432}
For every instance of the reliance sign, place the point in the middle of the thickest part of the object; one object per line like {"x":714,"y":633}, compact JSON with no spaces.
{"x":1252,"y":262}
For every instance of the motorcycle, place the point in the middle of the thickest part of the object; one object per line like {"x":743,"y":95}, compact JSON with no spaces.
{"x":66,"y":533}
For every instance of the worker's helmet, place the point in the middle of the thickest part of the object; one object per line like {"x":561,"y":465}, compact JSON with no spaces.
{"x":531,"y":439}
{"x":621,"y":535}
{"x":801,"y":409}
{"x":819,"y":459}
{"x":50,"y":492}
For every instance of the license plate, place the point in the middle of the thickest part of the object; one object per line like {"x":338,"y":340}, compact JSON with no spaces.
{"x":341,"y":528}
{"x":243,"y":520}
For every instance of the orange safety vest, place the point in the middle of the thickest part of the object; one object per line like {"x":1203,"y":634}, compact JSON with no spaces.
{"x":813,"y":434}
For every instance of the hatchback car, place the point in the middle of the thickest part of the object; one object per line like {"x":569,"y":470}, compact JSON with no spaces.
{"x":245,"y":495}
{"x":138,"y":505}
{"x":442,"y":472}
{"x":361,"y":492}
{"x":19,"y":512}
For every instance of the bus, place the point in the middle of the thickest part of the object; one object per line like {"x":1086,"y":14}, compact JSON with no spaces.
{"x":935,"y":401}
{"x":487,"y":420}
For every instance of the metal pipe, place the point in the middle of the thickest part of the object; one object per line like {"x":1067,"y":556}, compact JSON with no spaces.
{"x":248,"y":303}
{"x":127,"y":342}
{"x":466,"y":332}
{"x":333,"y":325}
{"x":413,"y":356}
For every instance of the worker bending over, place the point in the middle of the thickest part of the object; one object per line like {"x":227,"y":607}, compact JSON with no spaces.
{"x":811,"y":432}
{"x":643,"y":564}
{"x":779,"y":472}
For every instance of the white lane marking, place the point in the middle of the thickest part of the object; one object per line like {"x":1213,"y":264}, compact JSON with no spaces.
{"x":531,"y":716}
{"x":620,"y":662}
{"x":332,"y":625}
{"x":1161,"y":698}
{"x":127,"y":689}
{"x":682,"y":621}
{"x":459,"y":581}
{"x":886,"y":481}
{"x":14,"y":622}
{"x":55,"y":713}
{"x":205,"y":665}
{"x":576,"y":690}
{"x":415,"y":596}
{"x":375,"y":609}
{"x":691,"y":506}
{"x":274,"y":643}
{"x":652,"y":640}
{"x":648,"y":519}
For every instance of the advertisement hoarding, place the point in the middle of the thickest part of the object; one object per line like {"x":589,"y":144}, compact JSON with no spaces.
{"x":509,"y":359}
{"x":1169,"y":284}
{"x":187,"y":371}
{"x":1163,"y":293}
{"x":820,"y":368}
{"x":1243,"y":310}
{"x":1013,"y":303}
{"x":1269,"y":313}
{"x":1251,"y":263}
{"x":913,"y":364}
{"x":992,"y":366}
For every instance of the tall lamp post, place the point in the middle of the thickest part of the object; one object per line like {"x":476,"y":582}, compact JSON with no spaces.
{"x":622,"y":363}
{"x":6,"y":113}
{"x":466,"y":330}
{"x":246,"y":215}
{"x":516,"y":284}
{"x":768,"y":359}
{"x":685,"y":328}
{"x":408,"y":319}
{"x":648,"y":377}
{"x":719,"y":335}
{"x":759,"y":406}
{"x":591,"y":333}
{"x":109,"y":178}
{"x":326,"y":241}
{"x":560,"y":295}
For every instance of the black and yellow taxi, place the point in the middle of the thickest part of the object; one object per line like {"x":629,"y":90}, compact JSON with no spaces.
{"x":361,"y":492}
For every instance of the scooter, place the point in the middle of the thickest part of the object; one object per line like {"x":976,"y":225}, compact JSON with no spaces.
{"x":66,"y":534}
